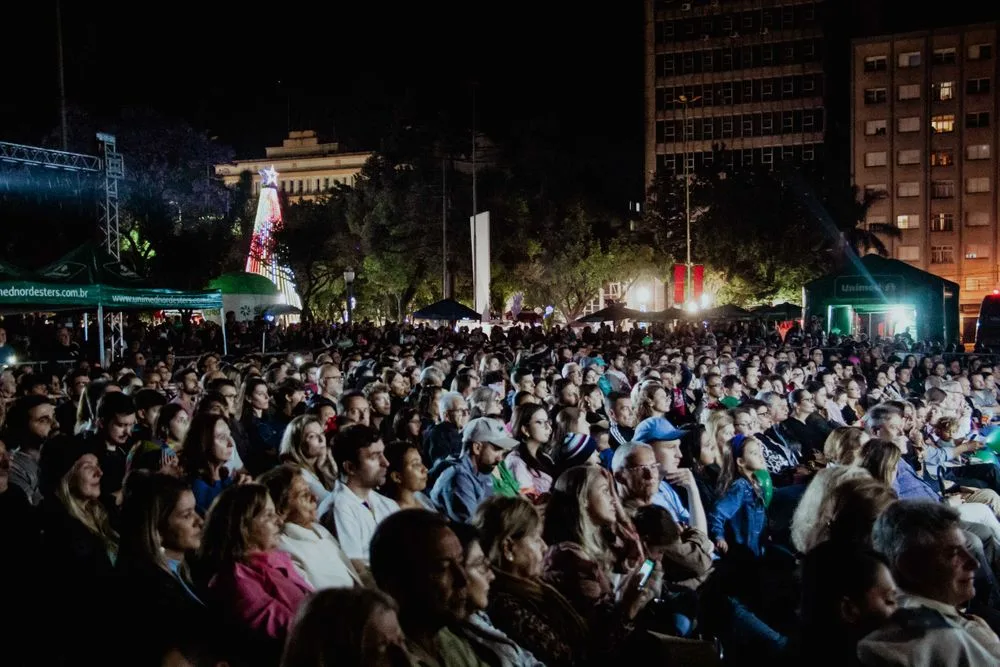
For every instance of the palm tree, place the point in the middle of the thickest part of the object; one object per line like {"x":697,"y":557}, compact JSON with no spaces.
{"x":849,"y":209}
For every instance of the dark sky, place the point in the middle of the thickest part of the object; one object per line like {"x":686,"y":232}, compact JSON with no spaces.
{"x":346,"y":67}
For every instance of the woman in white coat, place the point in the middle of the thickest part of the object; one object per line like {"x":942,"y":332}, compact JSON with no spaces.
{"x":314,"y":550}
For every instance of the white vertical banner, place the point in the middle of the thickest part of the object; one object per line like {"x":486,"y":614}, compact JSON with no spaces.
{"x":480,"y":226}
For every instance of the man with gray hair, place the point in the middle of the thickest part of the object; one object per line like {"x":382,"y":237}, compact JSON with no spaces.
{"x":445,"y":438}
{"x":926,"y":549}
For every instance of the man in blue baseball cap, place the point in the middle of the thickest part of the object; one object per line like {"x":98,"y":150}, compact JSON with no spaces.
{"x":664,"y":440}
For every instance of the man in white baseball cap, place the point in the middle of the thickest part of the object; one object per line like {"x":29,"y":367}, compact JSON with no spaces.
{"x":468,"y":479}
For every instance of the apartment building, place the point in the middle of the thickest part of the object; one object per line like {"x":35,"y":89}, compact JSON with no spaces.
{"x":924,"y":114}
{"x":745,"y":76}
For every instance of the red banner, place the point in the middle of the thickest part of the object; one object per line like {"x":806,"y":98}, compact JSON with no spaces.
{"x":697,"y":281}
{"x":680,"y":275}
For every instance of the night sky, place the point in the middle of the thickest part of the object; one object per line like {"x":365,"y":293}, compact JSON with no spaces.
{"x":572,"y":72}
{"x":346,"y":68}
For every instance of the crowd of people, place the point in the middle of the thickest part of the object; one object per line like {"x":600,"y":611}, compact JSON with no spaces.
{"x":418,"y":496}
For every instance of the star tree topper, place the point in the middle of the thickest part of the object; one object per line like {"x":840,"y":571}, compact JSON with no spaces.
{"x":269,"y":177}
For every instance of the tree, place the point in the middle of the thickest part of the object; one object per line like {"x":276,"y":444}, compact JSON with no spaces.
{"x":390,"y":210}
{"x":848,"y":209}
{"x":316,"y":245}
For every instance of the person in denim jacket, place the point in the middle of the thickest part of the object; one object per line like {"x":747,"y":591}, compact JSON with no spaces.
{"x":740,"y":511}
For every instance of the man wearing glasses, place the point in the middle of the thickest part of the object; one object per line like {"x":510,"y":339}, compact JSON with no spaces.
{"x":331,"y":383}
{"x":445,"y":439}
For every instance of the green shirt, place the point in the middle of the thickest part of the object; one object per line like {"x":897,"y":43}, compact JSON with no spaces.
{"x":452,"y":650}
{"x":505,"y":485}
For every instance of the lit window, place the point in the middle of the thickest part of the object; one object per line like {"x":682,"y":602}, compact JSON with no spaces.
{"x":909,"y":91}
{"x":977,"y":219}
{"x":973,"y":284}
{"x":875,"y":159}
{"x":977,"y":251}
{"x":908,"y":156}
{"x":944,"y":90}
{"x":908,"y":253}
{"x":876,"y":64}
{"x":977,"y":152}
{"x":908,"y":221}
{"x":977,"y":184}
{"x":943,"y":123}
{"x":942,"y":222}
{"x":875,"y":96}
{"x":942,"y":189}
{"x":908,"y":124}
{"x":875,"y":128}
{"x":944,"y":56}
{"x":942,"y":254}
{"x":942,"y":158}
{"x":908,"y":189}
{"x":911,"y":59}
{"x":977,"y":119}
{"x":980,"y":52}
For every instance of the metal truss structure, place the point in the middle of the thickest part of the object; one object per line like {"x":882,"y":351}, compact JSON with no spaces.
{"x":113,"y":168}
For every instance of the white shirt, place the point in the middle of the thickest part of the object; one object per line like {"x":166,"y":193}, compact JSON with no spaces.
{"x":345,"y":514}
{"x":317,"y":557}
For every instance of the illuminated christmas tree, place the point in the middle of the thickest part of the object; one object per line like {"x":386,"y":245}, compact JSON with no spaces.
{"x":261,"y":259}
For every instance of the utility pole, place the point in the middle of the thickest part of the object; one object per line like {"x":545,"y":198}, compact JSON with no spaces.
{"x":62,"y":77}
{"x":683,"y":99}
{"x":444,"y":228}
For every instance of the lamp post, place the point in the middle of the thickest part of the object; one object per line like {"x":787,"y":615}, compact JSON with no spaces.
{"x":349,"y":281}
{"x":686,"y":101}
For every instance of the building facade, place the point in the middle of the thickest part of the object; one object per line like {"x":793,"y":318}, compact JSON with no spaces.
{"x":743,"y":76}
{"x":924,"y":113}
{"x":306,"y":168}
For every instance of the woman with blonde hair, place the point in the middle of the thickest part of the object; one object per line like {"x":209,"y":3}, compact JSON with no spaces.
{"x":581,"y":561}
{"x":720,"y":429}
{"x":79,"y":549}
{"x":304,"y":445}
{"x":880,"y":458}
{"x":843,"y":446}
{"x":842,"y":451}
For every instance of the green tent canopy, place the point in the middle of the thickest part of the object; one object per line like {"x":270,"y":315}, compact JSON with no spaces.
{"x":242,"y":282}
{"x":90,"y":277}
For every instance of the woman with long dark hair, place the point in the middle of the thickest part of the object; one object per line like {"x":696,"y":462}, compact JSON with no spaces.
{"x":529,"y":463}
{"x":207,"y":448}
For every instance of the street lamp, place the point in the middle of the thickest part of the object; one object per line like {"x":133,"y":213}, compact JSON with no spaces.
{"x":686,"y":101}
{"x":349,"y":281}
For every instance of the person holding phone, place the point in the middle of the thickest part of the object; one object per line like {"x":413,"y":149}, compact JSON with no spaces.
{"x":580,"y":563}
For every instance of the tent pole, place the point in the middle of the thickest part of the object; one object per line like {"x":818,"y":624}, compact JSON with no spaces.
{"x":100,"y":332}
{"x":225,"y":343}
{"x":86,"y":328}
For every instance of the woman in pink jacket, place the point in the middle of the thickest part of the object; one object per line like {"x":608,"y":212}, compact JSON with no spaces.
{"x":254,"y":585}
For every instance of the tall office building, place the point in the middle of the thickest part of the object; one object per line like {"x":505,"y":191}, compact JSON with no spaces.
{"x":924,"y":113}
{"x":742,"y":75}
